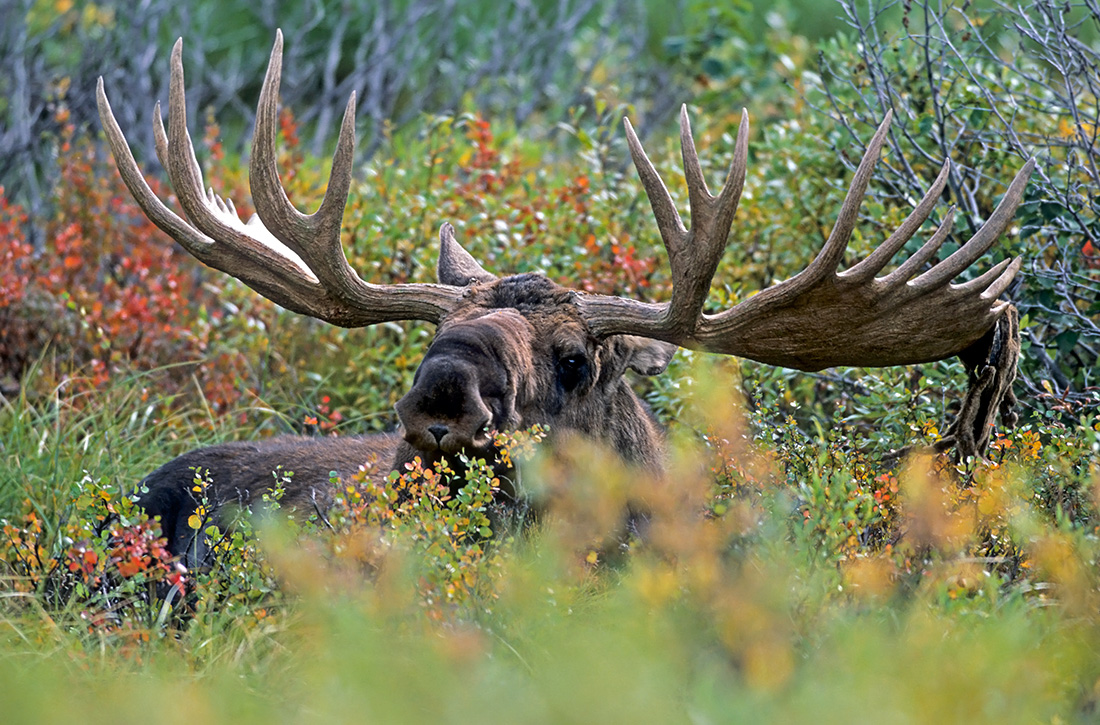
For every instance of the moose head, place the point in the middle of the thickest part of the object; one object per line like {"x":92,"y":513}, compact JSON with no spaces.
{"x":514,"y":351}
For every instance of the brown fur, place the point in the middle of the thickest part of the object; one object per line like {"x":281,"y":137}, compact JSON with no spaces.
{"x":241,"y":471}
{"x":514,"y":352}
{"x":991,"y":369}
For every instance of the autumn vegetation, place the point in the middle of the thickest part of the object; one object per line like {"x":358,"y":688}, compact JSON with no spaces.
{"x":794,"y":568}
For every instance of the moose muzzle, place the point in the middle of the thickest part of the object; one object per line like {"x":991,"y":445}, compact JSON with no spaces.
{"x":444,"y":410}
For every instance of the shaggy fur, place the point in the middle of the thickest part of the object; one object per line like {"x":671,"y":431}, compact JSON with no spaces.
{"x":514,"y":353}
{"x":991,"y":369}
{"x":242,"y":471}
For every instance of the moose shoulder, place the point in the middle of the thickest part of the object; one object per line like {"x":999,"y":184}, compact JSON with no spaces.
{"x":515,"y":351}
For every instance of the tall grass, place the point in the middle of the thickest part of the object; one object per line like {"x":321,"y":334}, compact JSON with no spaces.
{"x":790,"y":570}
{"x":740,"y":603}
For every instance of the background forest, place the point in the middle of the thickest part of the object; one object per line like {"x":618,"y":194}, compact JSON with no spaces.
{"x":795,"y":569}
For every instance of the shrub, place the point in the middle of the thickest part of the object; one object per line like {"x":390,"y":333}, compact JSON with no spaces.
{"x":788,"y":568}
{"x":988,"y":89}
{"x":107,"y":295}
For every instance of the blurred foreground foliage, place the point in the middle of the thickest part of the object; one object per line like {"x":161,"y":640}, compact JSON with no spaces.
{"x":780,"y":578}
{"x":791,"y":570}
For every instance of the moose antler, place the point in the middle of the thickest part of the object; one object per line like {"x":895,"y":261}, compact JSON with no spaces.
{"x":820,"y":317}
{"x":293,"y":259}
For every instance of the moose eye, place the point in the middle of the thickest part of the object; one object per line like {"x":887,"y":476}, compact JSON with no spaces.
{"x":572,"y":370}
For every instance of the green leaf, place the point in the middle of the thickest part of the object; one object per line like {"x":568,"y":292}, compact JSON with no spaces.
{"x":674,"y":45}
{"x":1067,"y":340}
{"x":1050,"y":210}
{"x":714,"y":67}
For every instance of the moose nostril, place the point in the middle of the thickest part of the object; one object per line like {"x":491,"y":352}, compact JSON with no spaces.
{"x":438,"y":431}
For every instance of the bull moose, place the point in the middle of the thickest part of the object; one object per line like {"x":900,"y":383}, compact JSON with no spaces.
{"x":510,"y":352}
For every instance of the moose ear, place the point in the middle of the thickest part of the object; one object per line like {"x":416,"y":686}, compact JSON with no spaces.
{"x":646,"y":356}
{"x":456,"y":267}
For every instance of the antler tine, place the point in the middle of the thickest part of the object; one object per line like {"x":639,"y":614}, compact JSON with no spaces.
{"x":322,"y":284}
{"x":668,"y":220}
{"x":984,"y":282}
{"x":294,"y":228}
{"x":456,"y":265}
{"x":910,"y":266}
{"x":165,"y":219}
{"x":828,"y":259}
{"x":730,"y":195}
{"x":999,"y":285}
{"x":982,"y":240}
{"x":179,"y":159}
{"x":272,"y":204}
{"x":698,"y":193}
{"x":876,"y":260}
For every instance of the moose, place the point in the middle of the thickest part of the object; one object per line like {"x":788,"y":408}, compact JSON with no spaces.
{"x":510,"y":352}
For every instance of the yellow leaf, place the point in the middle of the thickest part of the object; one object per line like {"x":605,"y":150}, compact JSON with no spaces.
{"x":987,"y":504}
{"x":194,"y":521}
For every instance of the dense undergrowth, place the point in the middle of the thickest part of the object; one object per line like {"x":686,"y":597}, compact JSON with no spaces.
{"x":791,"y":569}
{"x":781,"y":574}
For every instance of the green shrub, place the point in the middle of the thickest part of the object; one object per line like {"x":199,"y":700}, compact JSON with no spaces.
{"x":989,"y":87}
{"x":789,"y":567}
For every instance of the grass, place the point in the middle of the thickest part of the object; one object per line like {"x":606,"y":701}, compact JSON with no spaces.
{"x":791,"y":572}
{"x":745,"y":612}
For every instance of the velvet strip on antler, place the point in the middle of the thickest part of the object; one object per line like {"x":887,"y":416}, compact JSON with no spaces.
{"x":991,"y":369}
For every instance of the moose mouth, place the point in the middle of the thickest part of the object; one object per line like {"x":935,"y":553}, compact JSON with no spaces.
{"x":456,"y":452}
{"x":460,"y":393}
{"x":450,"y":440}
